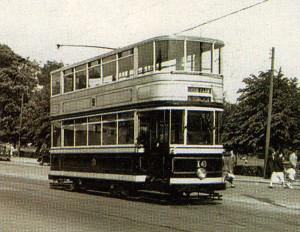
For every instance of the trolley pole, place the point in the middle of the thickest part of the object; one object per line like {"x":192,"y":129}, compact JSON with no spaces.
{"x":268,"y":133}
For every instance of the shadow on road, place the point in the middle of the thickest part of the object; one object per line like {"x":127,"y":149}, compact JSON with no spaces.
{"x":154,"y":198}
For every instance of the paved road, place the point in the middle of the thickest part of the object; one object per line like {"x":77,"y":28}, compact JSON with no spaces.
{"x":27,"y":204}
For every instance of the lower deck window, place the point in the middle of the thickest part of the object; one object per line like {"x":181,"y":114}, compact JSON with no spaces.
{"x":109,"y":135}
{"x":56,"y":134}
{"x":94,"y":134}
{"x":126,"y":132}
{"x":81,"y":135}
{"x":200,"y":126}
{"x":68,"y":136}
{"x":176,"y":126}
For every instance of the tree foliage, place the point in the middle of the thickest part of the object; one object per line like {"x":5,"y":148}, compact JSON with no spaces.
{"x":21,"y":77}
{"x":38,"y":108}
{"x":17,"y":79}
{"x":245,"y":124}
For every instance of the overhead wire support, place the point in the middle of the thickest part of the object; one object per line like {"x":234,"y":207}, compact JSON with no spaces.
{"x":221,"y":17}
{"x":87,"y":46}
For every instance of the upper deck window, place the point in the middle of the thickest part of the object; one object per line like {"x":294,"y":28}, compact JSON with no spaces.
{"x":109,"y":69}
{"x":169,"y":55}
{"x":160,"y":54}
{"x":125,"y":64}
{"x":203,"y":57}
{"x":55,"y":83}
{"x":198,"y":56}
{"x":94,"y":73}
{"x":68,"y":81}
{"x":80,"y":76}
{"x":145,"y":58}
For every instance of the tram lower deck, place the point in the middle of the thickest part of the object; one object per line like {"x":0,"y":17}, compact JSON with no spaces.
{"x":131,"y":172}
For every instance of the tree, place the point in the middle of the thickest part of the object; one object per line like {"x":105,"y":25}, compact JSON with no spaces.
{"x":38,"y":108}
{"x":245,"y":127}
{"x":17,"y":80}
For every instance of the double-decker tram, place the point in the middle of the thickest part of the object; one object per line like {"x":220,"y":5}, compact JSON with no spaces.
{"x":145,"y":117}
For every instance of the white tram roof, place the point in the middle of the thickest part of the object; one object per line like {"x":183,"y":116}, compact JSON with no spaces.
{"x":219,"y":43}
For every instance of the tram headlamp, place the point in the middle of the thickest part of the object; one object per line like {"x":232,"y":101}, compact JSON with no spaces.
{"x":201,"y":173}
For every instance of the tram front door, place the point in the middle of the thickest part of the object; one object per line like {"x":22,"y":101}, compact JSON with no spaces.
{"x":154,"y":125}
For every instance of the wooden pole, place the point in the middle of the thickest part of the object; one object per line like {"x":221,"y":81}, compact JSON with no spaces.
{"x":268,"y":133}
{"x":21,"y":119}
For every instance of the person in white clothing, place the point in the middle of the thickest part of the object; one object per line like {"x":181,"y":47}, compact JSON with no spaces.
{"x":278,"y":168}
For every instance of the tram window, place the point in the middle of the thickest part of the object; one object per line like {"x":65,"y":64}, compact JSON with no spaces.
{"x":109,"y":72}
{"x":94,"y":134}
{"x":109,"y":117}
{"x":68,"y":81}
{"x":56,"y":134}
{"x":206,"y":57}
{"x":198,"y":56}
{"x":218,"y":127}
{"x":80,"y":76}
{"x":128,"y":115}
{"x":199,"y":127}
{"x":193,"y":56}
{"x":94,"y":76}
{"x":126,"y":132}
{"x":68,"y":122}
{"x":145,"y":58}
{"x":177,"y":127}
{"x":109,"y":135}
{"x":81,"y":135}
{"x":68,"y":135}
{"x":108,"y":58}
{"x":80,"y":120}
{"x":94,"y":63}
{"x":217,"y":59}
{"x":126,"y":67}
{"x":125,"y":53}
{"x":56,"y":83}
{"x":95,"y":119}
{"x":169,"y":55}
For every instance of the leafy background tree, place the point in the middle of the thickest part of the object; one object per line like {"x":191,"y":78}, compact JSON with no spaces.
{"x":38,"y":109}
{"x":245,"y":124}
{"x":19,"y":76}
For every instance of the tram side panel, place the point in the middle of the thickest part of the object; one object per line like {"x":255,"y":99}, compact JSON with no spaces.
{"x":98,"y":170}
{"x":169,"y":173}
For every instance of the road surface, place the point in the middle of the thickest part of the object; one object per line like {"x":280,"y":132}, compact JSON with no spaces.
{"x":27,"y":204}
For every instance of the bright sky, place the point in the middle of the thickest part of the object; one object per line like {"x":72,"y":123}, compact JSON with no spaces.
{"x":32,"y":28}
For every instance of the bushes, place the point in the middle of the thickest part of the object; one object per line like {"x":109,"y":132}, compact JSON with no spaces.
{"x":248,"y":170}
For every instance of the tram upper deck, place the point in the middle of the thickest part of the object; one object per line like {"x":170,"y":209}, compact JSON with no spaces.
{"x":167,"y":68}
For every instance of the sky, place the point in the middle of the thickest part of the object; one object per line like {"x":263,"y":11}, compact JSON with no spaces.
{"x":32,"y":28}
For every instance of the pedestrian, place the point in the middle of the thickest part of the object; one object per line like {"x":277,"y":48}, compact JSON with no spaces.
{"x":229,"y":161}
{"x":278,"y":169}
{"x":293,"y":160}
{"x":290,"y":177}
{"x":290,"y":171}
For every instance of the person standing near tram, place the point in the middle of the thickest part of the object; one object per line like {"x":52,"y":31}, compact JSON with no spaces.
{"x":229,"y":161}
{"x":290,"y":171}
{"x":278,"y":168}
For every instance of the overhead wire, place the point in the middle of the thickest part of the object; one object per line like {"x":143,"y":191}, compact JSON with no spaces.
{"x":221,"y":17}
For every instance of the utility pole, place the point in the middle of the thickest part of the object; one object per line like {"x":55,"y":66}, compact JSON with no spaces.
{"x":268,"y":133}
{"x":21,"y":120}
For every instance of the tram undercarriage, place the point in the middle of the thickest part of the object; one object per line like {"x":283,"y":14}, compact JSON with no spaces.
{"x":157,"y":188}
